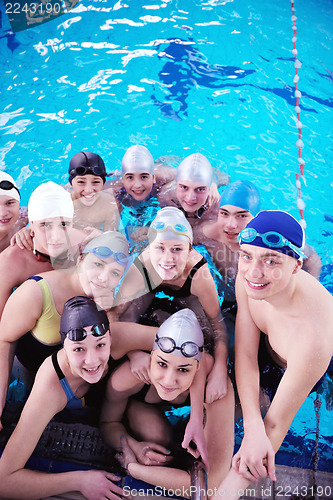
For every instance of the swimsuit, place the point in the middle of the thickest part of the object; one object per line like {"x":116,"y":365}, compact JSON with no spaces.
{"x":44,"y":338}
{"x":73,"y":401}
{"x":183,"y":291}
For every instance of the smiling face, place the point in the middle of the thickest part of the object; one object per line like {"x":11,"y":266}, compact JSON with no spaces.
{"x":9,"y":213}
{"x":88,"y":358}
{"x":191,"y":195}
{"x":265,"y":272}
{"x":138,"y":184}
{"x":169,"y":258}
{"x":86,"y":188}
{"x":171,"y":374}
{"x":232,"y":220}
{"x":99,"y":277}
{"x":51,"y":236}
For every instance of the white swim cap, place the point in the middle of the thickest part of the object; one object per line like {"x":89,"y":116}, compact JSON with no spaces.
{"x":196,"y":168}
{"x":181,"y":334}
{"x":8,"y":186}
{"x":170,"y":224}
{"x":50,"y":200}
{"x":137,"y":159}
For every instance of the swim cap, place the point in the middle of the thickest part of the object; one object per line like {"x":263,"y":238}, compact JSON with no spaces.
{"x":242,"y":194}
{"x":181,"y":330}
{"x":281,"y":223}
{"x":50,"y":200}
{"x":8,"y":186}
{"x":84,"y":163}
{"x":170,"y":224}
{"x":109,"y":244}
{"x":137,"y":159}
{"x":80,"y":312}
{"x":196,"y":168}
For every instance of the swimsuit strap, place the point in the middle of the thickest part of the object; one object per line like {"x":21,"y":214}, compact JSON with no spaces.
{"x":62,"y":379}
{"x":186,"y":288}
{"x":143,"y":270}
{"x":35,"y":278}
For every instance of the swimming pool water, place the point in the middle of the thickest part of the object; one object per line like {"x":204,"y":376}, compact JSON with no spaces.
{"x":181,"y":76}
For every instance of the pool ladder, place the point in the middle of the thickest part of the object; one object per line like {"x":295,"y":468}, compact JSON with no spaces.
{"x":198,"y":481}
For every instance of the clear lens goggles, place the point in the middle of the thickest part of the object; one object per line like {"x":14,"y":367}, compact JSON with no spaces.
{"x":272,"y":239}
{"x":105,"y":252}
{"x":188,"y":349}
{"x":7,"y":186}
{"x":78,"y":334}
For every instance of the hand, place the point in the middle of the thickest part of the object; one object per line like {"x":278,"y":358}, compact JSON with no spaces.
{"x":214,"y":195}
{"x":149,"y":453}
{"x":255,"y":457}
{"x":139,"y":364}
{"x":23,"y":239}
{"x":98,"y":485}
{"x":194,"y":432}
{"x":105,"y":302}
{"x":127,"y":455}
{"x":140,"y":234}
{"x":217,"y":383}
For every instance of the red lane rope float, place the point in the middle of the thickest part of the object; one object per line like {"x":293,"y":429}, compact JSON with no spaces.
{"x":299,"y":143}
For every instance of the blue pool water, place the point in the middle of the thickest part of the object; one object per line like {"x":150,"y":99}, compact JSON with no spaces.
{"x":181,"y":76}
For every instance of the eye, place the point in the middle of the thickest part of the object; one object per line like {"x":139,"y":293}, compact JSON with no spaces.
{"x":116,"y":273}
{"x":183,"y":370}
{"x":223,"y":214}
{"x":201,"y":189}
{"x":270,"y":262}
{"x":10,"y":202}
{"x":78,"y":349}
{"x":100,"y":345}
{"x":245,"y":257}
{"x":162,"y":364}
{"x":98,"y":264}
{"x":65,"y":224}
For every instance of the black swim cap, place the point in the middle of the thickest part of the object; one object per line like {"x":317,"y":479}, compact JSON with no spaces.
{"x":80,"y":312}
{"x":86,"y":163}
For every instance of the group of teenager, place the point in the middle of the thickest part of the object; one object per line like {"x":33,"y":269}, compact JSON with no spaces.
{"x":156,"y":292}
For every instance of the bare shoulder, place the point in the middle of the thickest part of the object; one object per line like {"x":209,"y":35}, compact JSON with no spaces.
{"x":16,"y":265}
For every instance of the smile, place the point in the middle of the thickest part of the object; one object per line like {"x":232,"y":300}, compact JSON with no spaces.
{"x":92,"y":370}
{"x":256,"y":286}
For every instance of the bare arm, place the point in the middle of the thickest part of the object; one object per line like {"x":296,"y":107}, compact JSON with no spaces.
{"x":46,"y":399}
{"x":20,"y":315}
{"x":312,"y":264}
{"x":203,"y":287}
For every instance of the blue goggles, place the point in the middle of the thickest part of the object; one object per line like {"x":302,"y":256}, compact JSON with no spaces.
{"x":105,"y":252}
{"x":175,"y":228}
{"x":272,"y":239}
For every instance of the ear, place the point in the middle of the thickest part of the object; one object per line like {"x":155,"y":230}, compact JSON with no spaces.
{"x":154,"y":179}
{"x":298,"y":266}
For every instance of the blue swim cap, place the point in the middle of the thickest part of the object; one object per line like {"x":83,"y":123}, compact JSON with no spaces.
{"x":281,"y":223}
{"x":242,"y":194}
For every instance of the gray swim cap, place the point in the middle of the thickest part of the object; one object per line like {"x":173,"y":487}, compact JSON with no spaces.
{"x":109,"y":244}
{"x":137,"y":159}
{"x":50,"y":200}
{"x":181,"y":334}
{"x":170,"y":224}
{"x":196,"y":168}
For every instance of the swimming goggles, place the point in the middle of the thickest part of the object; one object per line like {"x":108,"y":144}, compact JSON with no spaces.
{"x":81,"y":170}
{"x":78,"y":334}
{"x":7,"y":186}
{"x":106,"y":252}
{"x":188,"y":349}
{"x":272,"y":239}
{"x":175,"y":228}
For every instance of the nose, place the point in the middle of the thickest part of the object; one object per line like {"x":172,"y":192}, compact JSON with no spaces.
{"x":167,"y":256}
{"x":190,"y":195}
{"x":54,"y":234}
{"x":169,"y":379}
{"x":255,"y":270}
{"x":88,"y":189}
{"x":231,"y":223}
{"x":90,"y":357}
{"x":104,"y":275}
